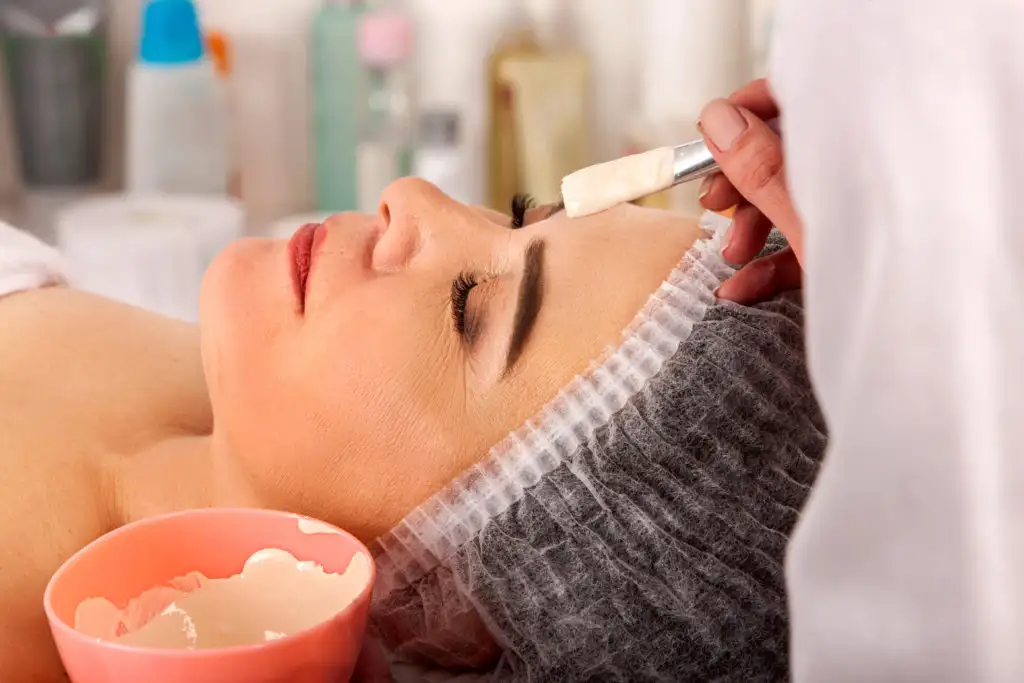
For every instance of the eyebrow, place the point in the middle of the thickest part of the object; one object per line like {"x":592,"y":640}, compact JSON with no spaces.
{"x":531,"y":291}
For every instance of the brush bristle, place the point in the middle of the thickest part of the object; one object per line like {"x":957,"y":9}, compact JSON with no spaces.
{"x":598,"y":188}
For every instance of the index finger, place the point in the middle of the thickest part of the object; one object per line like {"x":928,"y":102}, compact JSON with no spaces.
{"x":757,"y":98}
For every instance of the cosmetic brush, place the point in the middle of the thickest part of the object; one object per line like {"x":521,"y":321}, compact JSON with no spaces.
{"x":597,"y":188}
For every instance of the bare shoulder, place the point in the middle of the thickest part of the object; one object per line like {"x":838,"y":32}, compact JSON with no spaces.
{"x":81,"y":379}
{"x":62,"y":320}
{"x":70,"y":350}
{"x":64,"y":316}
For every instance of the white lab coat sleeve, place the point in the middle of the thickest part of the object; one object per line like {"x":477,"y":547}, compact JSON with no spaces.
{"x":904,"y":136}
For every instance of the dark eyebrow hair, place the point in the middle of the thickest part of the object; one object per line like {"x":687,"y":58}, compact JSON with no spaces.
{"x":531,"y":291}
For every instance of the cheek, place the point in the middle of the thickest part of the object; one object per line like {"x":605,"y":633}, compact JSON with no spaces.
{"x":380,"y":361}
{"x":246,"y":309}
{"x":373,"y":374}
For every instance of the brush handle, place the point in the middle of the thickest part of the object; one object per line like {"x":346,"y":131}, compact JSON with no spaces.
{"x":692,"y":161}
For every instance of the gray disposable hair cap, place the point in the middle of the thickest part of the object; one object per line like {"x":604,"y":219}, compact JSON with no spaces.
{"x":635,"y":529}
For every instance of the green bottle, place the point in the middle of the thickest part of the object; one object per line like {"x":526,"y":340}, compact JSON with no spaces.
{"x":337,"y":99}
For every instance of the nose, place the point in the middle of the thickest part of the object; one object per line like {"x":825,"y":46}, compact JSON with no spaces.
{"x":416,"y":216}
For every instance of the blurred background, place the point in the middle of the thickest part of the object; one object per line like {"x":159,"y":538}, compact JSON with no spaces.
{"x":141,"y":137}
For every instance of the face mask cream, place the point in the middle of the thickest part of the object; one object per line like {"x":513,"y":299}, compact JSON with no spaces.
{"x":274,"y":596}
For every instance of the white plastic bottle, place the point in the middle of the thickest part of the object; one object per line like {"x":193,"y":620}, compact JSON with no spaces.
{"x":453,"y":74}
{"x":272,"y":102}
{"x":439,"y":158}
{"x":177,"y":138}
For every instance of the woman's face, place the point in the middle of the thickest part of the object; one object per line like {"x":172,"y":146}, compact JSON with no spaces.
{"x":353,"y":383}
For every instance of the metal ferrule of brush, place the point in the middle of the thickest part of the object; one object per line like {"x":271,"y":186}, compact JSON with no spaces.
{"x":692,"y":161}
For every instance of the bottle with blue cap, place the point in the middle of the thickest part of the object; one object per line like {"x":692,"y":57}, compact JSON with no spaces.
{"x":177,"y":128}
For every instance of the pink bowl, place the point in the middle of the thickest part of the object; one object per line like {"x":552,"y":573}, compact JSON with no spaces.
{"x":131,"y":560}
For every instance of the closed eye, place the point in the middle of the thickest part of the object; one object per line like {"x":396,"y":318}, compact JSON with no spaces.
{"x":530,"y":291}
{"x":523,"y":204}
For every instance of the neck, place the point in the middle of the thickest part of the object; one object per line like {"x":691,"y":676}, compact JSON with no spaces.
{"x":175,"y":474}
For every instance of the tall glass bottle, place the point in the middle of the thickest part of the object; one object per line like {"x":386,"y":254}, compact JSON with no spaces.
{"x":336,"y":74}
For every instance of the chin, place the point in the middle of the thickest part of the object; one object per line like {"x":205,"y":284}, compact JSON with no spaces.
{"x":241,"y":275}
{"x":218,"y":285}
{"x":244,"y":295}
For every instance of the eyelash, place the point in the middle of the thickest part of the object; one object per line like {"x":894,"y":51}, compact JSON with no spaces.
{"x":521,"y":203}
{"x":461,"y":287}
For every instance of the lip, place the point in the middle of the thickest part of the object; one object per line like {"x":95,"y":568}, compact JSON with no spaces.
{"x":301,"y":248}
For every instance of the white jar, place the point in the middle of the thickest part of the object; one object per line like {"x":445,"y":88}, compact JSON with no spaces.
{"x":177,"y":137}
{"x":149,"y":251}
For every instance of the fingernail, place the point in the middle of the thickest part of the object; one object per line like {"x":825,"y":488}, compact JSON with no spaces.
{"x":705,"y":187}
{"x":726,"y":244}
{"x":723,"y":124}
{"x":752,"y":284}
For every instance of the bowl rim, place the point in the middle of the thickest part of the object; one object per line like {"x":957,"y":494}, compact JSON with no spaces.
{"x":172,"y":653}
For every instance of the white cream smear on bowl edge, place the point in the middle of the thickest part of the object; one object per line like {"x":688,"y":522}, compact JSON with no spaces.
{"x":314,"y":526}
{"x":274,"y":596}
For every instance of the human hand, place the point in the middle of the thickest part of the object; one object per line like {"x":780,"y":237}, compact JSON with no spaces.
{"x":752,"y":179}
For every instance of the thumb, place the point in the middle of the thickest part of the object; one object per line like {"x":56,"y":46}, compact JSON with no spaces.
{"x":750,"y":155}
